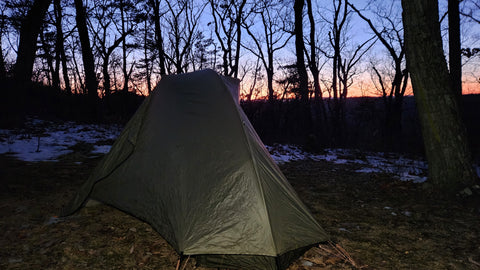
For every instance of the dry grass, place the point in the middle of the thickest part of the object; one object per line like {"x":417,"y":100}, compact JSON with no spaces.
{"x":375,"y":222}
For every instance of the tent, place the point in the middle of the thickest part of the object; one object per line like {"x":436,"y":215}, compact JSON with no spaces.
{"x":191,"y":165}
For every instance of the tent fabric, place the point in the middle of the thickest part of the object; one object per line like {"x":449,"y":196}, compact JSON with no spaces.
{"x":190,"y":164}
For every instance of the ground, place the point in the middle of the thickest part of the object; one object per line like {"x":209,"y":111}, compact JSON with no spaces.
{"x":380,"y":221}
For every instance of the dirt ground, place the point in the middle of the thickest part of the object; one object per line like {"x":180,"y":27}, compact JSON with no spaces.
{"x":380,"y":222}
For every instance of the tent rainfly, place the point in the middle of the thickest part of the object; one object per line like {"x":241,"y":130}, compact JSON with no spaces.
{"x":191,"y":165}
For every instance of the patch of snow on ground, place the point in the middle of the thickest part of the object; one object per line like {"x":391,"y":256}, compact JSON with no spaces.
{"x":46,"y":141}
{"x":101,"y":149}
{"x":402,"y":168}
{"x":286,"y":153}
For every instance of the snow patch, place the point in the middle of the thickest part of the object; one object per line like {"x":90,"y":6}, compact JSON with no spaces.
{"x":47,"y":141}
{"x":402,"y":168}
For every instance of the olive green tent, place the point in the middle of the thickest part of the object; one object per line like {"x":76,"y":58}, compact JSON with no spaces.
{"x":190,"y":164}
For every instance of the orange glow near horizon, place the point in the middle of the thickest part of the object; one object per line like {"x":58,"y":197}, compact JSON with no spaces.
{"x":362,"y":88}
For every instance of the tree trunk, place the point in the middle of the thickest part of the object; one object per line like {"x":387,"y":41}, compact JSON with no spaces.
{"x":27,"y":47}
{"x":3,"y":71}
{"x":271,"y":93}
{"x":238,"y":23}
{"x":158,"y":34}
{"x":147,"y":59}
{"x":87,"y":55}
{"x":106,"y":75}
{"x":313,"y":53}
{"x":299,"y":49}
{"x":454,"y":47}
{"x":59,"y":46}
{"x":444,"y":135}
{"x":52,"y":79}
{"x":126,"y":76}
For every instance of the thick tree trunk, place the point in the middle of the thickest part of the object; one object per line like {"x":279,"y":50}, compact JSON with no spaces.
{"x":444,"y":136}
{"x":87,"y":55}
{"x":27,"y":46}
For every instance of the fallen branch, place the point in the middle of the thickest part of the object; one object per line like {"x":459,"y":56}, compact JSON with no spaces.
{"x":474,"y":262}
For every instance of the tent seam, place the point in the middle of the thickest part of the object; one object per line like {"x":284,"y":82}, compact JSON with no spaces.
{"x":254,"y":162}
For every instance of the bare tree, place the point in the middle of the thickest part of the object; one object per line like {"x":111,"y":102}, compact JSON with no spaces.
{"x":299,"y":50}
{"x":318,"y":112}
{"x":3,"y":31}
{"x":182,"y":18}
{"x":472,"y":12}
{"x":148,"y":47}
{"x":46,"y":54}
{"x":227,"y":19}
{"x":103,"y":15}
{"x":273,"y":36}
{"x":446,"y":145}
{"x":256,"y":77}
{"x":3,"y":27}
{"x":203,"y":53}
{"x":312,"y":56}
{"x":87,"y":54}
{"x":156,"y":16}
{"x":454,"y":46}
{"x":390,"y":34}
{"x":125,"y":27}
{"x":60,"y":56}
{"x":346,"y":67}
{"x":336,"y":39}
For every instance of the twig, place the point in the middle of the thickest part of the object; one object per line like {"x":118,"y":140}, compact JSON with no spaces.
{"x":185,"y":264}
{"x":339,"y":252}
{"x":178,"y":264}
{"x":474,"y":262}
